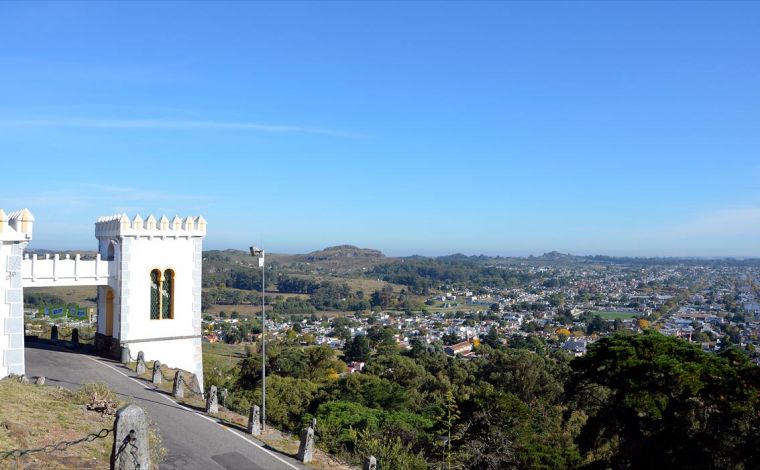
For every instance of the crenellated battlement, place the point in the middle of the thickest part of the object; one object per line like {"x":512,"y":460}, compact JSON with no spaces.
{"x":16,"y":226}
{"x":120,"y":225}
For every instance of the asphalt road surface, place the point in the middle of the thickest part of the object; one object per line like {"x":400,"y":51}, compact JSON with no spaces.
{"x":192,"y":440}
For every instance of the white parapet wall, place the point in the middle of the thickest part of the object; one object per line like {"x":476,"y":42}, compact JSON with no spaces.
{"x":66,"y":271}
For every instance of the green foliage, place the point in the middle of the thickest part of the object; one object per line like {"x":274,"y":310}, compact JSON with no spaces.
{"x":391,"y":452}
{"x":287,"y":400}
{"x":636,"y":401}
{"x":659,"y":401}
{"x":359,"y":349}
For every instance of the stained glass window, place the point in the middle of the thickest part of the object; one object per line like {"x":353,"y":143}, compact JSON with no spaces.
{"x":167,"y":294}
{"x":155,"y":300}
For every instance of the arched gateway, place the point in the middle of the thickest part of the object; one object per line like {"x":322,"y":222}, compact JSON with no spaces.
{"x":148,"y":275}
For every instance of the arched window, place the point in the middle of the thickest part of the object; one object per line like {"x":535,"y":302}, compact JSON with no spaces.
{"x":161,"y":294}
{"x":155,"y":298}
{"x":167,"y":295}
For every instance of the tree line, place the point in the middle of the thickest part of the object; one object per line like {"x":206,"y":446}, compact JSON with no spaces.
{"x":633,"y":401}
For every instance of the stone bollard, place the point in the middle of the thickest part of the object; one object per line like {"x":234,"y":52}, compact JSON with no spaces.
{"x":75,"y":337}
{"x":157,"y":377}
{"x":212,"y":406}
{"x":254,"y":421}
{"x":54,"y":333}
{"x":130,"y":449}
{"x":178,"y":390}
{"x":223,"y":397}
{"x":306,"y":448}
{"x":370,"y":463}
{"x":23,"y":379}
{"x":40,"y":380}
{"x":140,"y":369}
{"x":125,"y":355}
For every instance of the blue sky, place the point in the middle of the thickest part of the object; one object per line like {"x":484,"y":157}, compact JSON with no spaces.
{"x":429,"y":128}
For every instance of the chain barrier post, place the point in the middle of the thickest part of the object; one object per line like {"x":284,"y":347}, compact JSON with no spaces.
{"x":212,"y":405}
{"x":130,"y":440}
{"x":75,"y":337}
{"x":254,"y":421}
{"x":157,"y":375}
{"x":125,"y":355}
{"x":140,"y":367}
{"x":54,"y":333}
{"x":178,"y":390}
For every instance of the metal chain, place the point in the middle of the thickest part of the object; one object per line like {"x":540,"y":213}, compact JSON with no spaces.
{"x":168,"y":379}
{"x":55,"y":447}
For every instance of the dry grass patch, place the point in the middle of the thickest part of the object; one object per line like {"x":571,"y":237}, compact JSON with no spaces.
{"x":35,"y":416}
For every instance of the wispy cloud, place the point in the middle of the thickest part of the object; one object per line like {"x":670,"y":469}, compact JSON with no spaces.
{"x":169,"y":124}
{"x":728,"y":222}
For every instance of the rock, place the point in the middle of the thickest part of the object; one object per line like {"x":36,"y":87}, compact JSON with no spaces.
{"x":370,"y":463}
{"x":40,"y":380}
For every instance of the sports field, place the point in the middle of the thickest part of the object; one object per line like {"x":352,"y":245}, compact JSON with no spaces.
{"x":614,"y":315}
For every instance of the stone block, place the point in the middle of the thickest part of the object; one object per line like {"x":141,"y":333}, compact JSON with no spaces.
{"x":14,"y":263}
{"x":14,"y":295}
{"x":14,"y":357}
{"x":14,"y":326}
{"x":16,"y":341}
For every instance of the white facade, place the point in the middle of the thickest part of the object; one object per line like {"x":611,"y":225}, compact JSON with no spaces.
{"x":128,"y":251}
{"x":136,"y":248}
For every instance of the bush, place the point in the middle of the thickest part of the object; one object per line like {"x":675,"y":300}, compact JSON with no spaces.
{"x":97,"y":397}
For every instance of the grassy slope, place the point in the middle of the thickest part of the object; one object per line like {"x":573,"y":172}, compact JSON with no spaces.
{"x":34,"y":416}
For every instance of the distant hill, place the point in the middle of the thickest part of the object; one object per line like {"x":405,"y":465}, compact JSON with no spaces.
{"x":342,"y":251}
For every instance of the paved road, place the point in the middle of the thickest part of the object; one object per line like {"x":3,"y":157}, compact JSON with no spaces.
{"x":193,"y":441}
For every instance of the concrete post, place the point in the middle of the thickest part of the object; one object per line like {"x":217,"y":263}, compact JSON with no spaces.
{"x":254,"y":421}
{"x":223,"y":397}
{"x":370,"y":463}
{"x":178,"y":390}
{"x":140,"y":369}
{"x":125,"y":355}
{"x":130,"y":449}
{"x":54,"y":333}
{"x":212,"y":406}
{"x":306,"y":449}
{"x":157,"y":377}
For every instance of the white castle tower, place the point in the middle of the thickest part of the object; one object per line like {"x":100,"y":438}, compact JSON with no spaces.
{"x":152,"y":302}
{"x":15,"y":234}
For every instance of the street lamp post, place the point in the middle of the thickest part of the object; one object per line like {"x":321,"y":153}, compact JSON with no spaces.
{"x":259,"y":253}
